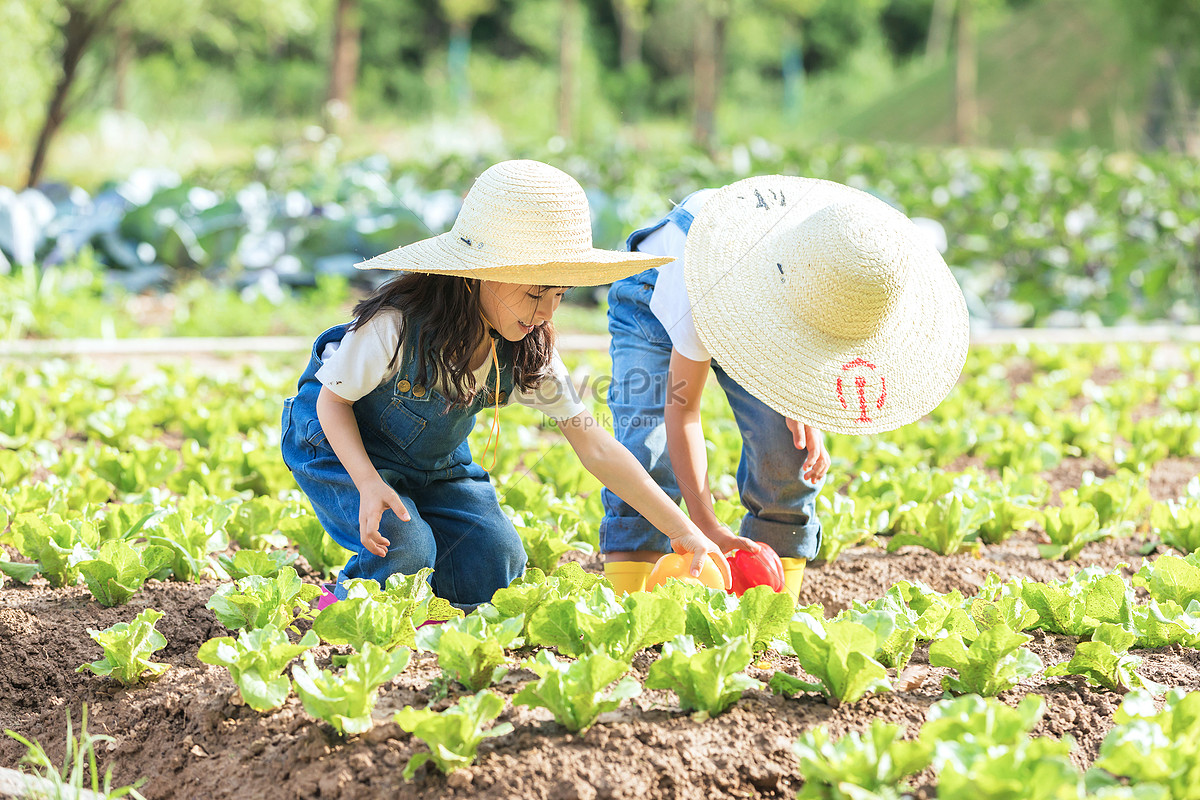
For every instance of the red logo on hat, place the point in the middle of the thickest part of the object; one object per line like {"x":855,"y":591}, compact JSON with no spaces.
{"x":860,"y":385}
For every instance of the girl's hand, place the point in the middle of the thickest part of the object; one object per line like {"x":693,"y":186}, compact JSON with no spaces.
{"x":728,"y":541}
{"x":373,"y":500}
{"x":806,"y":437}
{"x":693,"y":541}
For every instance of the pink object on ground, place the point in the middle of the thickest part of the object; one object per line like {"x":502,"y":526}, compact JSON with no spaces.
{"x":327,"y":597}
{"x":431,"y":622}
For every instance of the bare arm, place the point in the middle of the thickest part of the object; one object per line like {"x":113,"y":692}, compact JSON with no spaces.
{"x":375,"y":495}
{"x":685,"y":439}
{"x":619,"y":470}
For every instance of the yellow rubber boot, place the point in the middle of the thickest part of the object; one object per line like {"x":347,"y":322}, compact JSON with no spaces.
{"x":627,"y":577}
{"x":793,"y":575}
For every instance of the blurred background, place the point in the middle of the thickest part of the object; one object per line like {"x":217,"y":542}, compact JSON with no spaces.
{"x":217,"y":167}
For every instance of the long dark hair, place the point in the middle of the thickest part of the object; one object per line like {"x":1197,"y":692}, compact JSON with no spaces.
{"x":443,"y":311}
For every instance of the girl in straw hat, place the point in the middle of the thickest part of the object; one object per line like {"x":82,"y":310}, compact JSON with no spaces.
{"x":376,"y":434}
{"x":817,"y":306}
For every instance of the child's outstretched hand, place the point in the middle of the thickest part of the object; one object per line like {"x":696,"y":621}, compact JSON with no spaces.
{"x":693,"y":542}
{"x":373,"y":500}
{"x":806,"y":437}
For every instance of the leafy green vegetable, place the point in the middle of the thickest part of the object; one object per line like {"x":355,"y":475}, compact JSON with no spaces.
{"x":470,"y":649}
{"x":760,"y":615}
{"x":1105,"y":661}
{"x":840,"y":654}
{"x":128,"y":648}
{"x":1070,"y":529}
{"x":358,"y":620}
{"x":994,"y":662}
{"x":453,"y":735}
{"x":1148,"y":746}
{"x":115,"y":573}
{"x":1171,"y":578}
{"x":255,"y":601}
{"x":707,"y":681}
{"x":1160,"y":624}
{"x":256,"y":661}
{"x":345,"y":700}
{"x":54,"y":544}
{"x":1077,"y":606}
{"x":982,"y":749}
{"x":1178,"y":524}
{"x":945,"y":526}
{"x":255,"y":562}
{"x":577,"y":692}
{"x":858,"y":766}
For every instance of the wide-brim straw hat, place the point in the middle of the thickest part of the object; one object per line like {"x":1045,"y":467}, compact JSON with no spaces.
{"x":825,"y":302}
{"x":522,"y":222}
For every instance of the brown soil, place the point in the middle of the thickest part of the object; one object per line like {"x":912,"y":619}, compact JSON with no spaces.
{"x":188,"y":734}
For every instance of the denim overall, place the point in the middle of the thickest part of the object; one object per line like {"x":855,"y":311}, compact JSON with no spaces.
{"x":780,"y":503}
{"x":418,"y":442}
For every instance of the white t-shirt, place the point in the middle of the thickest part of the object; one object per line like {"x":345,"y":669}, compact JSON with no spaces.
{"x":358,"y":364}
{"x":669,"y":302}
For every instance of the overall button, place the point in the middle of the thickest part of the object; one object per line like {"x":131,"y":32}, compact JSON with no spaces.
{"x":418,"y":391}
{"x":403,"y":385}
{"x":503,"y":398}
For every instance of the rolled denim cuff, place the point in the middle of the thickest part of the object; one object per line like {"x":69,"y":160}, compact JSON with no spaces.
{"x":622,"y":534}
{"x":787,"y":539}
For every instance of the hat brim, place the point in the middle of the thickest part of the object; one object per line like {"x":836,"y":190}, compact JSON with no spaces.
{"x":447,"y":254}
{"x":842,"y":385}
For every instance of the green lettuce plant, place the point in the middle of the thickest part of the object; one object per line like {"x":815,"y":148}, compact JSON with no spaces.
{"x":840,"y":654}
{"x":994,"y":662}
{"x":256,"y":661}
{"x":255,"y":601}
{"x":946,"y":526}
{"x":1105,"y":661}
{"x":128,"y":649}
{"x":857,"y":766}
{"x":453,"y":735}
{"x":577,"y":692}
{"x":1078,"y":605}
{"x":115,"y":573}
{"x":1070,"y":528}
{"x":982,"y":749}
{"x":470,"y":650}
{"x":345,"y":699}
{"x":255,"y":562}
{"x":1153,"y":747}
{"x":707,"y":681}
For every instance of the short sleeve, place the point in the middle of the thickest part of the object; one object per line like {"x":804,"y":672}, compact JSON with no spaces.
{"x":555,"y":396}
{"x":360,"y":362}
{"x":669,"y":302}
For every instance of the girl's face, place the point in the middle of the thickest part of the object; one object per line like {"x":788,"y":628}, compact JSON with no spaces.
{"x":514,"y":310}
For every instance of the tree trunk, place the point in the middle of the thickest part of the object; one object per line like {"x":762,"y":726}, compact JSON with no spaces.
{"x":458,"y":54}
{"x":630,"y":35}
{"x":966,"y":106}
{"x":793,"y":71}
{"x":939,"y":30}
{"x":704,"y":79}
{"x":568,"y":65}
{"x":343,"y":67}
{"x":121,"y":61}
{"x":78,"y":33}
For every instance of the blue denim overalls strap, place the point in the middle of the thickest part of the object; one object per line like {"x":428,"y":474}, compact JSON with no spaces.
{"x":417,"y":440}
{"x":407,"y":426}
{"x":679,"y":215}
{"x":780,"y":503}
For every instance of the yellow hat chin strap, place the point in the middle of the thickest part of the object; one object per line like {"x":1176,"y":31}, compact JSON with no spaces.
{"x":494,"y":434}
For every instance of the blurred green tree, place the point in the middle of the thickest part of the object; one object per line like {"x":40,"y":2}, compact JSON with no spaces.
{"x":78,"y":28}
{"x":461,"y":14}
